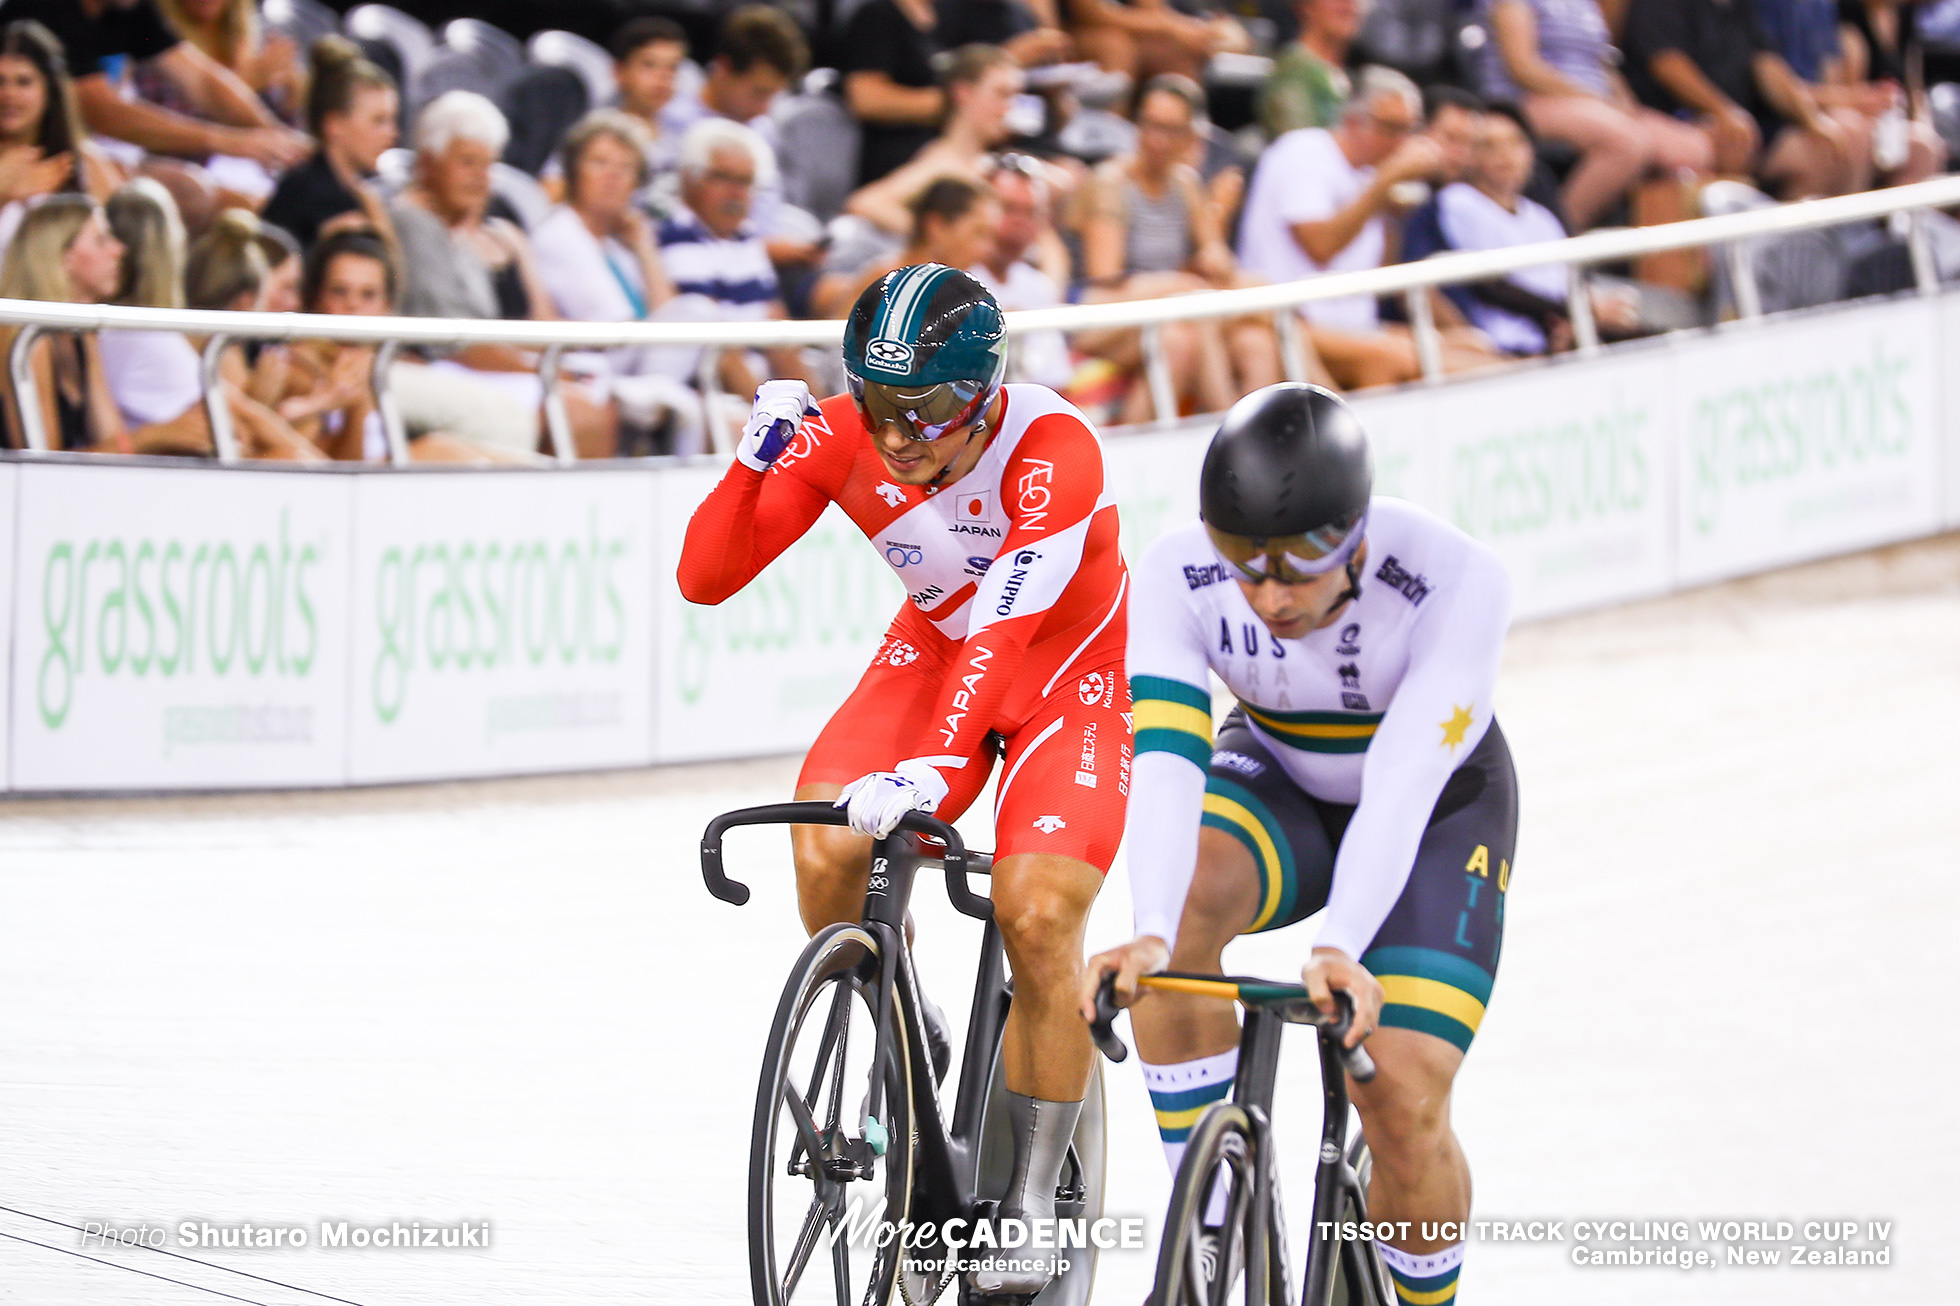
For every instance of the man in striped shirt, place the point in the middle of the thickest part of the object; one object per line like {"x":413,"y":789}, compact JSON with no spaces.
{"x":713,"y":253}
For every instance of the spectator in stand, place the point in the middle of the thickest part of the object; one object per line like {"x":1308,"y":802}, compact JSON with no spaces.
{"x":716,"y":258}
{"x":596,"y":252}
{"x":353,"y":108}
{"x":230,"y":119}
{"x":1151,"y":231}
{"x":1309,"y":82}
{"x":647,"y":56}
{"x":1028,"y":267}
{"x":229,"y":33}
{"x":1869,"y":64}
{"x":599,"y":262}
{"x":43,"y":148}
{"x":886,"y":55}
{"x":953,"y":222}
{"x":64,"y":253}
{"x":245,"y":265}
{"x":1319,"y":201}
{"x":329,"y":385}
{"x":1524,"y":312}
{"x":1029,"y":30}
{"x":156,"y":377}
{"x":981,"y":83}
{"x":759,"y":54}
{"x":1142,"y":38}
{"x":1714,"y":61}
{"x":1555,"y":60}
{"x":461,"y":263}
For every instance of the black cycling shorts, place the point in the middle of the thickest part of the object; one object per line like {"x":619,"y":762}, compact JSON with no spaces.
{"x":1436,"y":954}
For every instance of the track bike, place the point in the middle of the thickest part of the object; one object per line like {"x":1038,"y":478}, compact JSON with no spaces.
{"x":854,"y":1171}
{"x":1224,"y":1237}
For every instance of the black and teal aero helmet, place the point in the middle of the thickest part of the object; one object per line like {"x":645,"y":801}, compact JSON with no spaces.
{"x":925,"y":348}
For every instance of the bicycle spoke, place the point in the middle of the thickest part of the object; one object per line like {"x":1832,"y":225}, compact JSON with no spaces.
{"x":840,"y":1022}
{"x":806,"y":1242}
{"x":840,"y":1269}
{"x":809,"y":1137}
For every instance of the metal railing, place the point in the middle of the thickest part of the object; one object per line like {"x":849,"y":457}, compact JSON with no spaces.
{"x":1412,"y":280}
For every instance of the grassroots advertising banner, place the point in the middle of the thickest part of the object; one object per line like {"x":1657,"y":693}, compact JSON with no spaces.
{"x":503,"y":622}
{"x":761,"y":672}
{"x":1948,"y":339}
{"x":1562,"y":470}
{"x":1807,"y":438}
{"x":9,"y":500}
{"x":175,"y":628}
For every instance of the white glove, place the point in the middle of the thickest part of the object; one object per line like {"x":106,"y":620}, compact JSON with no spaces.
{"x":780,"y":407}
{"x":879,"y":801}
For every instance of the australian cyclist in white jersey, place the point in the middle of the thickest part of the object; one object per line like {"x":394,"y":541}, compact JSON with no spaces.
{"x":1361,"y":773}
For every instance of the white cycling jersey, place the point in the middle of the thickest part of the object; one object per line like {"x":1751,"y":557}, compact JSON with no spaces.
{"x":1375,"y":709}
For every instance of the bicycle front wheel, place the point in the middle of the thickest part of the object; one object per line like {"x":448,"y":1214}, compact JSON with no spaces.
{"x":1211,"y":1230}
{"x":830,"y":1176}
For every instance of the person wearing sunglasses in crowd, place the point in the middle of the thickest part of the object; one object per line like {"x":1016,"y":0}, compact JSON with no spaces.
{"x":1361,"y":771}
{"x":989,"y":502}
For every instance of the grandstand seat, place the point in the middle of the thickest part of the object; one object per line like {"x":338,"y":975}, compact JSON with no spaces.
{"x":520,"y":192}
{"x":818,"y":152}
{"x":1417,"y":37}
{"x":409,"y":39}
{"x":591,"y":62}
{"x":542,"y":103}
{"x":473,"y":56}
{"x":301,"y":21}
{"x":493,"y":45}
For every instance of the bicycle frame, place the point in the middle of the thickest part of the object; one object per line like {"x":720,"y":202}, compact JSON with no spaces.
{"x":946,"y":1178}
{"x":1335,"y":1180}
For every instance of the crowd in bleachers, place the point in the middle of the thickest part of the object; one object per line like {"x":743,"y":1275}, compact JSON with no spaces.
{"x":766,"y":161}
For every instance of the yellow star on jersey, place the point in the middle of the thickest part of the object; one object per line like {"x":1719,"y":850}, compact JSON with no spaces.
{"x":1455,"y":728}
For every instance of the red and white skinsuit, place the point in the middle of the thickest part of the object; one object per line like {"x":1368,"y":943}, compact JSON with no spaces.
{"x":1014,"y":621}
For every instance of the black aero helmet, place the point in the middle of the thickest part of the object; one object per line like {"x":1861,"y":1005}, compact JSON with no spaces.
{"x":925,"y":347}
{"x":1285,"y":486}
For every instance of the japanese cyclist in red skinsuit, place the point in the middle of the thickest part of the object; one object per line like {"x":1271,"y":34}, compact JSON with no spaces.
{"x":988,"y":502}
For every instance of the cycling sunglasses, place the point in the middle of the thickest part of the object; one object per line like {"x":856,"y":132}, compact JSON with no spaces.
{"x":1289,"y":559}
{"x":923,"y":413}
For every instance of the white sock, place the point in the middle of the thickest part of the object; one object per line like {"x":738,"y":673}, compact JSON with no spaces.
{"x":1180,"y":1092}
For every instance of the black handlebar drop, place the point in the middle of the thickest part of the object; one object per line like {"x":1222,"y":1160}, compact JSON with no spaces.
{"x":822,"y":813}
{"x":1356,"y":1058}
{"x":1102,"y":1028}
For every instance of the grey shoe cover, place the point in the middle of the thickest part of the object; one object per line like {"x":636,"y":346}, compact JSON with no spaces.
{"x":1042,"y":1130}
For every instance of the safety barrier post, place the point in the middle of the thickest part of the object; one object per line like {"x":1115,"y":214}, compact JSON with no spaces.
{"x":1742,"y":279}
{"x":1925,"y":272}
{"x":555,"y":419}
{"x":707,"y":379}
{"x":1157,"y":371}
{"x":393,"y":430}
{"x":27,"y":395}
{"x":1578,"y":307}
{"x":1292,"y":345}
{"x":1429,"y":344}
{"x":216,"y":406}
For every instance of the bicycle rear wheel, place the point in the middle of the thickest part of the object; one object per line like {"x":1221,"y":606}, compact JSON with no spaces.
{"x":829,"y":1182}
{"x":1210,"y":1229}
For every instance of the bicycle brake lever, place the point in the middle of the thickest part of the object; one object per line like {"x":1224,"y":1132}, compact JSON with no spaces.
{"x":1102,"y":1028}
{"x":1356,"y":1058}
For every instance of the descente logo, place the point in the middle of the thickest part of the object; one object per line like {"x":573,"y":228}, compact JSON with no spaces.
{"x":460,"y":605}
{"x":175,"y":607}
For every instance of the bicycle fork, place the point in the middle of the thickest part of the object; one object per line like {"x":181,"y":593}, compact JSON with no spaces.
{"x":1337,"y":1189}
